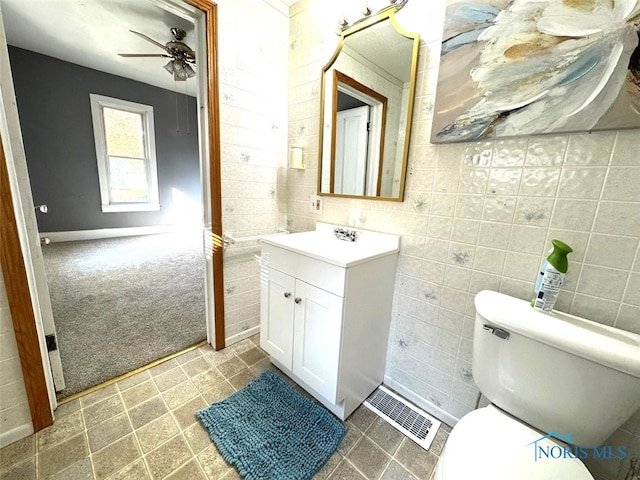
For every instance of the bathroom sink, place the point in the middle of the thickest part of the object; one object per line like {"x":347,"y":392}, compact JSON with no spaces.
{"x":585,"y":338}
{"x":322,"y":244}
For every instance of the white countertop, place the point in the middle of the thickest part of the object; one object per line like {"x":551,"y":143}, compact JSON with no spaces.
{"x":321,"y":244}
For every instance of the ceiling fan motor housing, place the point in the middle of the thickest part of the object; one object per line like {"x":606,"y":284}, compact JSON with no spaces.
{"x":178,"y":33}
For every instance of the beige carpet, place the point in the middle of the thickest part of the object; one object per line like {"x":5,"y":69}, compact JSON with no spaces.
{"x":122,"y":303}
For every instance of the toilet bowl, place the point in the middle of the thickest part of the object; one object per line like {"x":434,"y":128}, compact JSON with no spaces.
{"x":559,"y":386}
{"x":488,"y":444}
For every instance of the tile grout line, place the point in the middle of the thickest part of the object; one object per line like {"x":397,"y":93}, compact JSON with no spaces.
{"x":201,"y":395}
{"x":174,"y":418}
{"x":134,"y":430}
{"x":142,"y":457}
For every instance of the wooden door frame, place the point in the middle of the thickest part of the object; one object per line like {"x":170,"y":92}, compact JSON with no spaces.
{"x":12,"y":259}
{"x":210,"y":11}
{"x":21,"y":306}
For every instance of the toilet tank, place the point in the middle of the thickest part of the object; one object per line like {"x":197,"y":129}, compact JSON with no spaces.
{"x":557,"y":372}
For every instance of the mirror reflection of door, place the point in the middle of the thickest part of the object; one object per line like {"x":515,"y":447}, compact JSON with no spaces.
{"x":358,"y":137}
{"x":351,"y":143}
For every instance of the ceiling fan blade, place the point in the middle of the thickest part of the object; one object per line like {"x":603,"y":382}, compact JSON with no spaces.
{"x":148,"y":39}
{"x":144,"y":55}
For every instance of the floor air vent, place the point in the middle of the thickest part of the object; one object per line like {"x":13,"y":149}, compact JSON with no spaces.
{"x":410,"y":420}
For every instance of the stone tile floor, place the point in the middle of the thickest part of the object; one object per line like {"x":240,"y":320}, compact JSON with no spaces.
{"x":144,"y":427}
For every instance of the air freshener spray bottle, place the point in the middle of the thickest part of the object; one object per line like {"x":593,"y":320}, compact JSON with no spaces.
{"x":551,"y":276}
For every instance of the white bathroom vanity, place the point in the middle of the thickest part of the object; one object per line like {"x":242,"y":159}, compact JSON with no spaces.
{"x":326,"y":309}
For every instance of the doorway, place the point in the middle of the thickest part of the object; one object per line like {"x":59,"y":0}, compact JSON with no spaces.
{"x":352,"y":124}
{"x":359,"y":119}
{"x":204,"y":14}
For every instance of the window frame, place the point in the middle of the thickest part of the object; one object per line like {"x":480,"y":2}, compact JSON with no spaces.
{"x":98,"y":103}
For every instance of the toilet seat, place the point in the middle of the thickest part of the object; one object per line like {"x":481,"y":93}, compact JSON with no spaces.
{"x":489,"y":444}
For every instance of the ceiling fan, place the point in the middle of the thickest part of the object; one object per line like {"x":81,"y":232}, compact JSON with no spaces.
{"x":183,"y":59}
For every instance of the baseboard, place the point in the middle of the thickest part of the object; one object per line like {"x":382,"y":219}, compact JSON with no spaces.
{"x":13,"y":435}
{"x":71,"y":236}
{"x":426,"y":405}
{"x":249,"y":332}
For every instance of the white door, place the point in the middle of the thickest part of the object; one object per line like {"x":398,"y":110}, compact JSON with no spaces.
{"x":351,"y":151}
{"x":15,"y":154}
{"x":48,"y":323}
{"x":276,"y":315}
{"x":317,"y":335}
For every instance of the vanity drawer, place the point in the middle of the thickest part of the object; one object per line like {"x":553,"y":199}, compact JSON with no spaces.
{"x":308,"y":269}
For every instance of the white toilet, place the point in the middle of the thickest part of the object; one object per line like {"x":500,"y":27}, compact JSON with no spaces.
{"x":558,"y":385}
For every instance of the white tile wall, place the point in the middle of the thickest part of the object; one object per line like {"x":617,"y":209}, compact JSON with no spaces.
{"x":253,"y":48}
{"x":14,"y":407}
{"x":479,"y":215}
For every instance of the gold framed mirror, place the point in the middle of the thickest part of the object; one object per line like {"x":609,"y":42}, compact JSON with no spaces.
{"x":366,"y":107}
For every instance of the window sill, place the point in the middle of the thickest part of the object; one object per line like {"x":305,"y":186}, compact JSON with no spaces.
{"x":131,"y":207}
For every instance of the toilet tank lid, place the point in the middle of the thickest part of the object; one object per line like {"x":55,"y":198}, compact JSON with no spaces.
{"x":612,"y":347}
{"x":488,"y":443}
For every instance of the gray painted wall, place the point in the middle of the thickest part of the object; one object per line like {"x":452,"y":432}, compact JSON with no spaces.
{"x":55,"y":116}
{"x":345,"y":102}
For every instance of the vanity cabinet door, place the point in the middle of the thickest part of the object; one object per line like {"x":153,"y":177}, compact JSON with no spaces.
{"x":277,"y":314}
{"x":317,"y":337}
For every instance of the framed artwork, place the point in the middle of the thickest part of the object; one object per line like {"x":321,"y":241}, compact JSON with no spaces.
{"x":525,"y":67}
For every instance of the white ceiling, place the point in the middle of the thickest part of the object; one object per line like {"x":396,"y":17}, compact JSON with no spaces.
{"x":92,"y":33}
{"x":382,"y":45}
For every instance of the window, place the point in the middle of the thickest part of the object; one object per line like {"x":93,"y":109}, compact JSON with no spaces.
{"x":126,"y":154}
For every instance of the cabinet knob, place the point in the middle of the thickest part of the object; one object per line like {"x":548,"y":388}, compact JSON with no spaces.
{"x":298,"y":300}
{"x":287,"y":294}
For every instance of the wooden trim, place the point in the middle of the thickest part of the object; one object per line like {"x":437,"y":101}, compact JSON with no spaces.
{"x":361,"y":87}
{"x":22,"y":314}
{"x":211,"y":20}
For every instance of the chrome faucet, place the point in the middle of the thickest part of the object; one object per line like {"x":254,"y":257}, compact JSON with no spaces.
{"x":344,"y":234}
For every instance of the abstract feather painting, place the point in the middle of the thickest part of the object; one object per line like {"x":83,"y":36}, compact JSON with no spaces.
{"x":525,"y":67}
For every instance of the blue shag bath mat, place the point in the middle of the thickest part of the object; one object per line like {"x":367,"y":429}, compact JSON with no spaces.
{"x":269,"y":431}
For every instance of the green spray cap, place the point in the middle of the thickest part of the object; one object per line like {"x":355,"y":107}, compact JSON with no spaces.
{"x":558,"y":258}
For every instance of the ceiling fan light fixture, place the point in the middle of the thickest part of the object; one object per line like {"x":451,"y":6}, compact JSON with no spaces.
{"x":169,"y":66}
{"x":179,"y":69}
{"x":190,"y":71}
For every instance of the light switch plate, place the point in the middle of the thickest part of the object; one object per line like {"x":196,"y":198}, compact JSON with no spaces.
{"x":315,"y":204}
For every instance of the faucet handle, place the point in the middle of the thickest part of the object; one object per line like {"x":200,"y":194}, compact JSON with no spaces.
{"x":345,"y":234}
